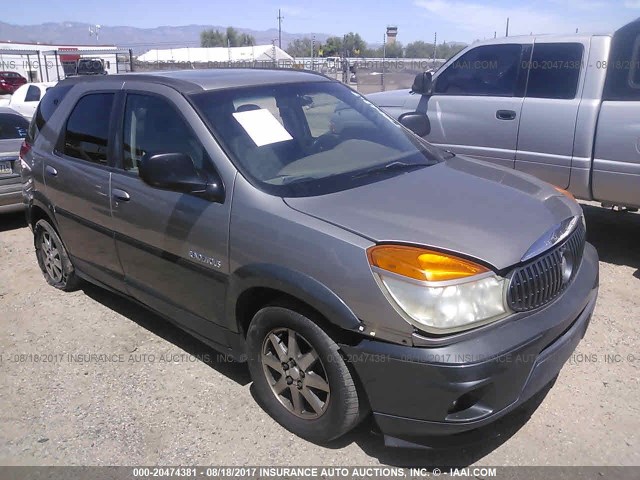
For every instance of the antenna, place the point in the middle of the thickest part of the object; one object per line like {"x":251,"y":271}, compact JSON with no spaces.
{"x":94,"y":30}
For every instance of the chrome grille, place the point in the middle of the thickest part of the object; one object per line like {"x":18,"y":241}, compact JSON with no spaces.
{"x":541,"y":280}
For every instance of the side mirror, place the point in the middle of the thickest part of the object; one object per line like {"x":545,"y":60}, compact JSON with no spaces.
{"x":176,"y":171}
{"x":422,"y":83}
{"x":417,"y":122}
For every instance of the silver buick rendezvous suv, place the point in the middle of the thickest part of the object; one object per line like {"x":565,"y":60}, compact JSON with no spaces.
{"x":281,"y":217}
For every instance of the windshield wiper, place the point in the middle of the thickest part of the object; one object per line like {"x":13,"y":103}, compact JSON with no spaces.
{"x":387,"y":167}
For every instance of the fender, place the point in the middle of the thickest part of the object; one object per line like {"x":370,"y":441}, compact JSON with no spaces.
{"x":294,"y":283}
{"x":37,"y":199}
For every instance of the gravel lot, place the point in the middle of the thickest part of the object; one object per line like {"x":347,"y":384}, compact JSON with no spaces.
{"x":171,"y":400}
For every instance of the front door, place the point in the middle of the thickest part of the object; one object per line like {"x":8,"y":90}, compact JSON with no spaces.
{"x":173,"y":246}
{"x":477,"y":101}
{"x":550,"y":110}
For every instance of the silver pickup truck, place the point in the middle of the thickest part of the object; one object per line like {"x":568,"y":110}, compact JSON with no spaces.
{"x":563,"y":108}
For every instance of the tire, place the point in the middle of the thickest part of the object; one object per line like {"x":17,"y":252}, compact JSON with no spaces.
{"x":53,"y":258}
{"x":320,"y":415}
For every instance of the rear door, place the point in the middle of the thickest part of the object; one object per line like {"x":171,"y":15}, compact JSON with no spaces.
{"x":173,"y":246}
{"x":616,"y":164}
{"x":77,"y":174}
{"x":477,"y":101}
{"x":550,"y":109}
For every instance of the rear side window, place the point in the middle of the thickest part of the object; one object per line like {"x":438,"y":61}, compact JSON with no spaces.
{"x":490,"y":70}
{"x":623,"y":65}
{"x":554,"y":70}
{"x":12,"y":126}
{"x":86,"y":136}
{"x":46,"y":107}
{"x":33,"y":94}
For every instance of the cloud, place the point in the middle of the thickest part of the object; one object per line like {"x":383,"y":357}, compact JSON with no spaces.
{"x":482,"y":20}
{"x":632,"y":4}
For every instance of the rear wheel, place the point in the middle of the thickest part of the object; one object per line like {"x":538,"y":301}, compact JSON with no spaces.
{"x":53,"y":258}
{"x":299,"y":376}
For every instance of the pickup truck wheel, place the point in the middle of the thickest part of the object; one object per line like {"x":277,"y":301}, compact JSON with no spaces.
{"x":53,"y":258}
{"x":299,"y":376}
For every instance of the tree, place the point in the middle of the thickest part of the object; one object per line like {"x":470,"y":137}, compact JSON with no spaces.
{"x":393,"y":50}
{"x":419,"y":49}
{"x":332,"y":47}
{"x":247,"y":40}
{"x":353,"y":45}
{"x":211,"y":38}
{"x":301,"y":47}
{"x":231,"y":38}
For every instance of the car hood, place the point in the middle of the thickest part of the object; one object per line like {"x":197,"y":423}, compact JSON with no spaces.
{"x":461,"y":205}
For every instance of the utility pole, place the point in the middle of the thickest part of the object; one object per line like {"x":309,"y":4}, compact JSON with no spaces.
{"x":507,"y":34}
{"x":280,"y":18}
{"x":435,"y":45}
{"x":313,"y":47}
{"x":384,"y":56}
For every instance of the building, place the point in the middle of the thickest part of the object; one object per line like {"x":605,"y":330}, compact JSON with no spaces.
{"x":244,"y":56}
{"x":392,"y":33}
{"x":39,"y":62}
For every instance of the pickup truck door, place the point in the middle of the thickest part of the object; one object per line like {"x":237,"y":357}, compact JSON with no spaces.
{"x":616,"y":164}
{"x":173,"y":246}
{"x":476,"y":104}
{"x":549,"y":113}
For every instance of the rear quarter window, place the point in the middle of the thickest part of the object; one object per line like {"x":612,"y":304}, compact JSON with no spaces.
{"x":49,"y":103}
{"x":623,"y":65}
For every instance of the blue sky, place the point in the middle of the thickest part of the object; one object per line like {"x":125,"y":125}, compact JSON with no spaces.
{"x":462,"y":20}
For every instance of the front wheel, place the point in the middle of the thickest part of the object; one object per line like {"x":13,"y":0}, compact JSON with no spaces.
{"x":53,"y":258}
{"x":299,"y":376}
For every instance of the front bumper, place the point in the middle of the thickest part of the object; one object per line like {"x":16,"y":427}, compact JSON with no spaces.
{"x":419,"y":391}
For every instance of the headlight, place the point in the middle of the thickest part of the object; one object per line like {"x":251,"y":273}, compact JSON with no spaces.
{"x":437,"y":292}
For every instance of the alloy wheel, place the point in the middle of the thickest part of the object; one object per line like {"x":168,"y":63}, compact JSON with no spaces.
{"x":295,"y":373}
{"x":51,"y":257}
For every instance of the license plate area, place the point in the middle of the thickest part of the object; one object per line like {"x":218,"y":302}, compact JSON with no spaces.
{"x":5,"y":167}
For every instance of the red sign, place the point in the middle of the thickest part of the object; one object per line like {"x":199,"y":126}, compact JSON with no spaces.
{"x":69,"y":58}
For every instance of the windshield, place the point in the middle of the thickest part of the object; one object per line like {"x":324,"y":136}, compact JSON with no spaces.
{"x":306,"y":139}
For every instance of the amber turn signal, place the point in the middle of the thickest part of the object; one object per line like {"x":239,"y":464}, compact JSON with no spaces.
{"x":422,"y":264}
{"x":565,"y":192}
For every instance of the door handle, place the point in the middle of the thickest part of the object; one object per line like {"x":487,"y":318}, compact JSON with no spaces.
{"x":120,"y":194}
{"x":505,"y":115}
{"x":51,"y":171}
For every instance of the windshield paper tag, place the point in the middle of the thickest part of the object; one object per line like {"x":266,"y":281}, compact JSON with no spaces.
{"x":262,"y":127}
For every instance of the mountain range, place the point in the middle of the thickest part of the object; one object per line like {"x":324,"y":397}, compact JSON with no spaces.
{"x":138,"y":39}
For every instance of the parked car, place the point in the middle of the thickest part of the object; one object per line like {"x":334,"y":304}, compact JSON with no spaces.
{"x":13,"y":130}
{"x":10,"y":81}
{"x":89,"y":66}
{"x":26,"y":98}
{"x":355,"y":269}
{"x":551,"y":106}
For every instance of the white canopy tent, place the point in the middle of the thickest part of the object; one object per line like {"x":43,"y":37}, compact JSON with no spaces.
{"x":257,"y":53}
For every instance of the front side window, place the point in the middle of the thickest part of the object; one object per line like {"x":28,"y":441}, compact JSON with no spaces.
{"x":489,"y":70}
{"x":554,"y":70}
{"x":310,"y":138}
{"x":87,"y":131}
{"x":13,"y":126}
{"x":33,"y":94}
{"x":153,"y":126}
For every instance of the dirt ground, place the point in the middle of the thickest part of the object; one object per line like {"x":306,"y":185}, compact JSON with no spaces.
{"x":152,"y":395}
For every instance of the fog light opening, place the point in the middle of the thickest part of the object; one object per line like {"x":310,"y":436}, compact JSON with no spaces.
{"x":464,"y":402}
